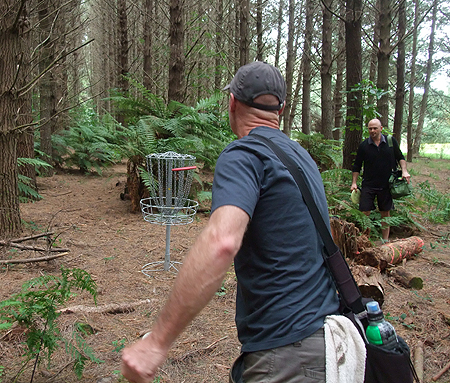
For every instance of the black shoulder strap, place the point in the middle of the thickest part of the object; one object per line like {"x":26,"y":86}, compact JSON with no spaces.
{"x":345,"y":282}
{"x":391,"y":145}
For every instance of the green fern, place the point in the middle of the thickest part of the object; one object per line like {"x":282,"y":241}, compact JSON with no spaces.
{"x":26,"y":187}
{"x":36,"y":308}
{"x":79,"y":350}
{"x":326,"y":153}
{"x":153,"y":127}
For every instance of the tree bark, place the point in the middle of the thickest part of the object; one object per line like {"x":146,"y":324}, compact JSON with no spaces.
{"x":176,"y":61}
{"x":148,"y":39}
{"x":353,"y":126}
{"x":412,"y":82}
{"x":259,"y":31}
{"x":289,"y":68}
{"x":369,"y":281}
{"x":426,"y":90}
{"x":390,"y":253}
{"x":384,"y":53}
{"x":47,"y":85}
{"x":400,"y":91}
{"x":325,"y":73}
{"x":122,"y":46}
{"x":374,"y":53}
{"x":13,"y":69}
{"x":306,"y":65}
{"x":279,"y":32}
{"x":244,"y":41}
{"x":340,"y":68}
{"x":406,"y":279}
{"x":219,"y":46}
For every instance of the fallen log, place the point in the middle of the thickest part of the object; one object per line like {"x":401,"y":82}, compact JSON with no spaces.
{"x":406,"y":279}
{"x":31,"y":260}
{"x":390,"y":253}
{"x":111,"y":308}
{"x":418,"y":360}
{"x":369,"y":281}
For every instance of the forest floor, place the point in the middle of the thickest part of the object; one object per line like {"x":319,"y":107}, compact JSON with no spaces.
{"x":113,"y":245}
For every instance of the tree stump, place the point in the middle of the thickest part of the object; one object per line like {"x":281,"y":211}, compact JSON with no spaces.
{"x":369,"y":281}
{"x":348,"y":237}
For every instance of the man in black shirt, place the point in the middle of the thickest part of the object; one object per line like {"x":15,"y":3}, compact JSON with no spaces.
{"x":379,"y":159}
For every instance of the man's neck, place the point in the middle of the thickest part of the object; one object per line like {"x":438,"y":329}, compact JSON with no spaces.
{"x":253,"y":123}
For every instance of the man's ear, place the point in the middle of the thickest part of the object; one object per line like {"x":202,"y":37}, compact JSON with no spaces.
{"x":282,"y":109}
{"x":232,"y":103}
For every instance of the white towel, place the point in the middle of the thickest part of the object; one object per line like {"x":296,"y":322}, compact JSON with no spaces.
{"x":344,"y":350}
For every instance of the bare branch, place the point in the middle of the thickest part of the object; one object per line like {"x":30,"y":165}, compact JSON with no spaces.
{"x":40,"y":259}
{"x":30,"y":85}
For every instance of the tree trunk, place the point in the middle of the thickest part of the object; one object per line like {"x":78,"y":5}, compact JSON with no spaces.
{"x":219,"y":46}
{"x":340,"y":68}
{"x":279,"y":32}
{"x":122,"y":34}
{"x":374,"y":53}
{"x":400,"y":91}
{"x":244,"y":38}
{"x":289,"y":68}
{"x":147,"y":32}
{"x":47,"y":85}
{"x":13,"y":69}
{"x":306,"y":65}
{"x":423,"y":105}
{"x":353,"y":125}
{"x":325,"y":73}
{"x":259,"y":31}
{"x":384,"y":53}
{"x":412,"y":82}
{"x":176,"y":61}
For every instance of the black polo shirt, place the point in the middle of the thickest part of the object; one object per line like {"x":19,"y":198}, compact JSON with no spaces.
{"x":378,"y":161}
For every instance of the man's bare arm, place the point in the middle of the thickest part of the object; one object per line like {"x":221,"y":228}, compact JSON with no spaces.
{"x":200,"y":277}
{"x":405,"y":173}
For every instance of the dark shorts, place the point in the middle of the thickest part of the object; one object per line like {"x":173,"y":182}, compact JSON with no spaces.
{"x":367,"y":201}
{"x":299,"y":362}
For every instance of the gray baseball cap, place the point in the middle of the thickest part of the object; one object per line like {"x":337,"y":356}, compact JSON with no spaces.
{"x":256,"y":79}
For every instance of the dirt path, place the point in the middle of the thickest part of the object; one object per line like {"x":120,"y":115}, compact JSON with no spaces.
{"x":90,"y":219}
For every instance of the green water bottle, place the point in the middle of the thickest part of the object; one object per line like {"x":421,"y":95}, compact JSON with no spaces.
{"x":379,"y":331}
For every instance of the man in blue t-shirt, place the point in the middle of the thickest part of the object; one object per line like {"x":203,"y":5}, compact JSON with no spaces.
{"x":260,"y":222}
{"x":379,"y":159}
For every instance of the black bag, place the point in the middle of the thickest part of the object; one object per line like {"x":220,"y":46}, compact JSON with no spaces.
{"x":398,"y":186}
{"x":382,"y":366}
{"x":385,"y":366}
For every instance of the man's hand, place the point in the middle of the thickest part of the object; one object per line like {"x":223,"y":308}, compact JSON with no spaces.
{"x":406,"y":176}
{"x":141,"y":360}
{"x":355,"y":176}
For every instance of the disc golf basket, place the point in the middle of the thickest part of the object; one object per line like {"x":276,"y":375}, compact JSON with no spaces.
{"x":170,"y":176}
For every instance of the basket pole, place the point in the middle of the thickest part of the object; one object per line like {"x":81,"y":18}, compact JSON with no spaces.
{"x":167,"y":256}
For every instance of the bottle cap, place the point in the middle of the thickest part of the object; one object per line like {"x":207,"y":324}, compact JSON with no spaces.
{"x":373,"y":311}
{"x":372,"y":307}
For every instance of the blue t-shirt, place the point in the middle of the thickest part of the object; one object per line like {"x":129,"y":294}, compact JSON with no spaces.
{"x":284,"y":290}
